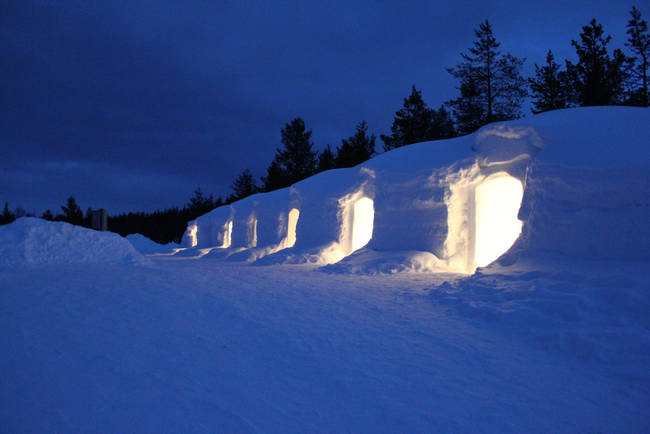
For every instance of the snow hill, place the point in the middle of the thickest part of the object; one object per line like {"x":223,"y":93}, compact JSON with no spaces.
{"x":32,"y":241}
{"x":574,"y":182}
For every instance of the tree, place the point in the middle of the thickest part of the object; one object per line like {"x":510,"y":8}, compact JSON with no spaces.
{"x":47,"y":215}
{"x":326,"y":160}
{"x":296,"y":161}
{"x":72,"y":212}
{"x":244,"y":185}
{"x":597,"y":78}
{"x":415,"y":122}
{"x":7,"y":216}
{"x":491,"y":85}
{"x":199,"y":204}
{"x":548,"y":87}
{"x":639,"y":42}
{"x":356,"y":149}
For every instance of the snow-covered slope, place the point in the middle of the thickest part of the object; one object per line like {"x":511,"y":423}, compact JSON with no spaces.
{"x":34,"y":241}
{"x":455,"y":205}
{"x":149,"y":247}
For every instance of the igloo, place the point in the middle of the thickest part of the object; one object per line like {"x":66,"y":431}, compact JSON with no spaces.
{"x":443,"y":206}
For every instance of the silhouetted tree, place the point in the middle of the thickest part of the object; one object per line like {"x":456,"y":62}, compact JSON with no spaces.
{"x":356,"y":149}
{"x":491,"y":85}
{"x":7,"y":216}
{"x":639,"y":42}
{"x":72,"y":212}
{"x":597,"y":78}
{"x":244,"y":185}
{"x":415,"y":122}
{"x":47,"y":215}
{"x":199,"y":204}
{"x":294,"y":162}
{"x":548,"y":87}
{"x":326,"y":160}
{"x":275,"y":177}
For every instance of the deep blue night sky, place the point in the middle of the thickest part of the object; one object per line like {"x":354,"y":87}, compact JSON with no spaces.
{"x":130,"y":105}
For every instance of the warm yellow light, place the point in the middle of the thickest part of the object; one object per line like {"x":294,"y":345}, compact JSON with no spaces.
{"x":193,"y":230}
{"x":362,"y":222}
{"x":227,"y":235}
{"x":498,"y":200}
{"x":291,"y":228}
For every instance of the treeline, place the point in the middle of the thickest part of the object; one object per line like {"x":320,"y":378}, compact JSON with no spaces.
{"x":491,"y":88}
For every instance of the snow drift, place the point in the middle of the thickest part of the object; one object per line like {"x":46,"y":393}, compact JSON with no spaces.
{"x":38,"y":242}
{"x":149,"y":247}
{"x":455,"y":205}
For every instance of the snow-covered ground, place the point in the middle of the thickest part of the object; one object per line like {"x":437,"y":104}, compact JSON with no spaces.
{"x":203,"y":345}
{"x":552,"y":337}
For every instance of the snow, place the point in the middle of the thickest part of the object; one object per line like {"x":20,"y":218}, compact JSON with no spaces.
{"x":456,"y":205}
{"x":38,"y":242}
{"x":147,"y":246}
{"x":553,"y":336}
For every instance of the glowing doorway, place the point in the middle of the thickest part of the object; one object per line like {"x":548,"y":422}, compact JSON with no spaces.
{"x":363,"y":219}
{"x":290,"y":240}
{"x":498,"y":200}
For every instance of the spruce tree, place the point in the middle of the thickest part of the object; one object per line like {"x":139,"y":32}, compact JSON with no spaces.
{"x":244,"y":185}
{"x":296,"y":161}
{"x":199,"y":204}
{"x":356,"y":149}
{"x":597,"y":78}
{"x":491,"y":85}
{"x":7,"y":216}
{"x":326,"y":160}
{"x":548,"y":87}
{"x":47,"y":215}
{"x":412,"y":123}
{"x":72,"y":212}
{"x":639,"y":42}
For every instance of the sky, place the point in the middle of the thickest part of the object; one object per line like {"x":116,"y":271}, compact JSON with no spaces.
{"x":131,"y":105}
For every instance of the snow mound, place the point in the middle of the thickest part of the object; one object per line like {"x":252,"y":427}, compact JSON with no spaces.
{"x":149,"y":247}
{"x":32,"y":241}
{"x":572,"y":182}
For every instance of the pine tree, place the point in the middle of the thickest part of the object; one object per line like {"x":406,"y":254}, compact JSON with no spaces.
{"x":244,"y":185}
{"x":72,"y":212}
{"x":597,"y":78}
{"x":326,"y":160}
{"x":275,"y":177}
{"x":296,"y":161}
{"x":7,"y":216}
{"x":639,"y":42}
{"x":47,"y":215}
{"x":356,"y":149}
{"x":491,"y":85}
{"x":412,"y":123}
{"x":199,"y":204}
{"x":548,"y":87}
{"x":442,"y":125}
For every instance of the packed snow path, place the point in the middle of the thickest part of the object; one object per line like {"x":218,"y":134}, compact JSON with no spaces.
{"x":201,"y":345}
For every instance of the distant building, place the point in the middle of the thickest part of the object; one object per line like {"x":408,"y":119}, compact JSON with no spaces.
{"x":100,"y":219}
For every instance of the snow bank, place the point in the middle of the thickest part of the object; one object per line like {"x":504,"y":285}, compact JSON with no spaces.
{"x":571,"y":181}
{"x":149,"y":247}
{"x":32,"y":241}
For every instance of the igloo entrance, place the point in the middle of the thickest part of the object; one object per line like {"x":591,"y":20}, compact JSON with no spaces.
{"x":363,"y":217}
{"x":498,"y":200}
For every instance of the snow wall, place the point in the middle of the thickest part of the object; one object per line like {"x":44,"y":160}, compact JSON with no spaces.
{"x":573,"y":182}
